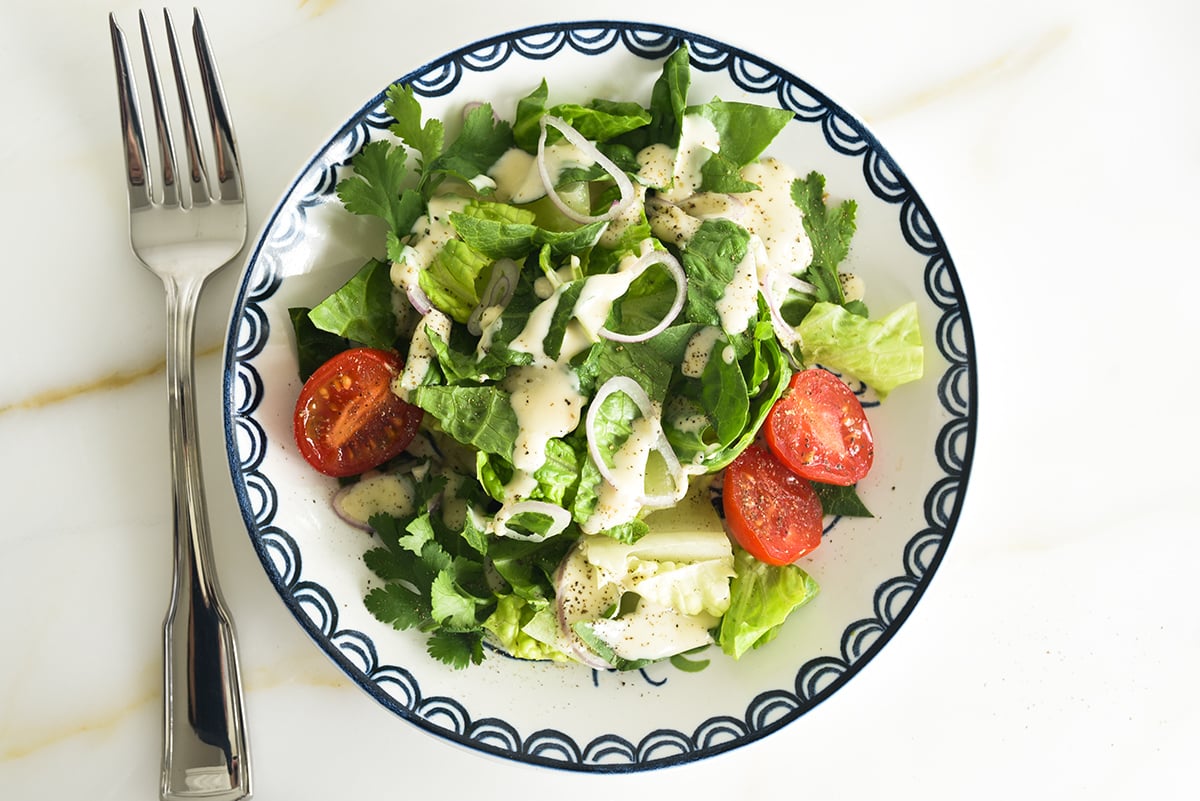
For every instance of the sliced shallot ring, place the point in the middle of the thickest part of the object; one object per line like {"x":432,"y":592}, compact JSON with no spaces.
{"x":674,"y":470}
{"x":499,"y":291}
{"x":786,"y":332}
{"x":560,"y":517}
{"x":624,"y":185}
{"x":677,"y":275}
{"x":621,"y":383}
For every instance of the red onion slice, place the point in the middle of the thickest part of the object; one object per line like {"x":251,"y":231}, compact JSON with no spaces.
{"x":624,"y":185}
{"x":419,"y":300}
{"x":677,"y":275}
{"x":674,"y":470}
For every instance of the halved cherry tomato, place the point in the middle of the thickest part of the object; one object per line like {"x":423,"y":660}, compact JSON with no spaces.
{"x":771,"y":512}
{"x":347,"y":418}
{"x":819,"y":429}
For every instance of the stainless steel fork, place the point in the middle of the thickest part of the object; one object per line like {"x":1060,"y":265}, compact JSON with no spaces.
{"x":184,"y":231}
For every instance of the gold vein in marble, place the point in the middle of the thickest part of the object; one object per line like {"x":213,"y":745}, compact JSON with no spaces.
{"x":319,"y":7}
{"x":262,"y":679}
{"x":111,"y":381}
{"x":1015,"y":61}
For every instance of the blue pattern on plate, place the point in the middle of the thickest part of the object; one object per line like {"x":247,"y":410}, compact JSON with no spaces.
{"x":894,"y":599}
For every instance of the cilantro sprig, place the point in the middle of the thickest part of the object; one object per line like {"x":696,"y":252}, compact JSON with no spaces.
{"x":386,"y":185}
{"x":830,"y":231}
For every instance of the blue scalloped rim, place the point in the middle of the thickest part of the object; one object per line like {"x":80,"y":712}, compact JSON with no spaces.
{"x":817,"y":679}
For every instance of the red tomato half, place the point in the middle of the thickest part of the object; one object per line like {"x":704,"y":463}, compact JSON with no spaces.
{"x":819,"y":429}
{"x":347,"y":418}
{"x":771,"y":512}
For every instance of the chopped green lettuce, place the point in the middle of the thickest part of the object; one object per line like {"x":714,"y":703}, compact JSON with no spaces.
{"x":883,"y":353}
{"x":361,"y":309}
{"x":762,"y":597}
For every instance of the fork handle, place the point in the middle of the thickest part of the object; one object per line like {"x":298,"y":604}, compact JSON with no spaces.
{"x":205,"y":752}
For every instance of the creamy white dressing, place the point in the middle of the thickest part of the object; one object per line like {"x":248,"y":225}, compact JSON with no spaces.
{"x":698,"y":140}
{"x":620,"y":497}
{"x":599,"y":292}
{"x":772,"y":215}
{"x":853,"y":286}
{"x":432,"y":231}
{"x":699,"y":350}
{"x":546,"y":399}
{"x":421,"y":353}
{"x":671,"y":224}
{"x":631,"y":215}
{"x":739,"y":305}
{"x":656,"y":165}
{"x":376,"y":494}
{"x":516,"y":174}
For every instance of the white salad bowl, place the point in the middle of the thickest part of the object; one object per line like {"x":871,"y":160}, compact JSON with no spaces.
{"x":871,"y":571}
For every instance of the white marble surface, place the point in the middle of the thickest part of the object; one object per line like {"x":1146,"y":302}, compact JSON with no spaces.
{"x":1054,"y":654}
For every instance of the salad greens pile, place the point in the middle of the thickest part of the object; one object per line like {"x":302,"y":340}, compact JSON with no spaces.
{"x":589,"y":355}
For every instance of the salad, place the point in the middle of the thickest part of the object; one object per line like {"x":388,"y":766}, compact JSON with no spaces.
{"x":587,"y":400}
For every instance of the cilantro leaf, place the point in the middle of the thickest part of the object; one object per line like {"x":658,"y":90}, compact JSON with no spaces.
{"x":396,"y":604}
{"x":457,"y":649}
{"x":482,"y":141}
{"x":450,"y":605}
{"x":376,"y":188}
{"x":405,"y":109}
{"x":829,"y":230}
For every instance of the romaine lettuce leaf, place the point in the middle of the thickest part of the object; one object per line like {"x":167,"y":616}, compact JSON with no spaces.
{"x":481,"y":417}
{"x":361,"y":309}
{"x":883,"y":353}
{"x":762,"y":597}
{"x":525,"y":628}
{"x":452,"y":277}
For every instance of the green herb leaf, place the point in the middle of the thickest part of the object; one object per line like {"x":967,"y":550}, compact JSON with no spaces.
{"x":377,"y":187}
{"x":829,"y":230}
{"x":843,"y":501}
{"x":361,"y":310}
{"x":429,"y":138}
{"x":314,"y":347}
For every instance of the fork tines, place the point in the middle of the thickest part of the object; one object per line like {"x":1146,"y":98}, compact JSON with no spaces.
{"x":224,"y":145}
